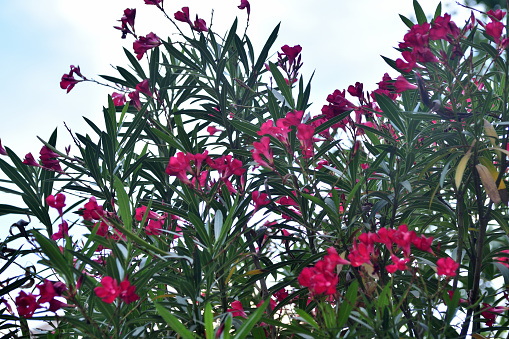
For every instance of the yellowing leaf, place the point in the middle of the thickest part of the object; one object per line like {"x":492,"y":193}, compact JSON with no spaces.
{"x":461,"y":168}
{"x":488,"y":183}
{"x":493,"y":171}
{"x":254,"y":272}
{"x":490,"y":132}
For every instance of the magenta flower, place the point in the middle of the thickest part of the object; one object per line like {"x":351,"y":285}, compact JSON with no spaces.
{"x":497,"y":15}
{"x":237,"y":309}
{"x":401,"y":84}
{"x":260,"y":199}
{"x":127,"y":20}
{"x":291,"y":52}
{"x":68,"y":82}
{"x":183,"y":15}
{"x":63,"y":231}
{"x":57,"y":202}
{"x":245,"y":4}
{"x":153,"y":2}
{"x":200,"y":25}
{"x":26,"y":304}
{"x":135,"y":99}
{"x":49,"y":159}
{"x":30,"y":161}
{"x":447,"y":267}
{"x":109,"y":290}
{"x":143,"y":87}
{"x":144,"y":44}
{"x":2,"y":149}
{"x":127,"y":293}
{"x":494,"y":29}
{"x":91,"y":210}
{"x":118,"y":99}
{"x":260,"y":148}
{"x":212,"y":130}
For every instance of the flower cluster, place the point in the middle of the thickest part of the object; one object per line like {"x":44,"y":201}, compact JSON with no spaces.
{"x":27,"y":304}
{"x":48,"y":158}
{"x":199,"y":25}
{"x":187,"y":163}
{"x":145,"y":43}
{"x":283,"y":126}
{"x":127,"y":21}
{"x":110,"y":290}
{"x":322,"y":278}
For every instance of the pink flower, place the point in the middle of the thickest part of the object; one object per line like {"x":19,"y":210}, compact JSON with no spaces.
{"x":402,"y":84}
{"x":262,"y":148}
{"x":26,"y":304}
{"x":144,"y":44}
{"x":153,"y":2}
{"x":127,"y":293}
{"x":442,"y":27}
{"x":399,"y":264}
{"x":245,"y":4}
{"x":118,"y":99}
{"x":63,"y":230}
{"x":494,"y":29}
{"x":109,"y":290}
{"x":135,"y":99}
{"x":490,"y":313}
{"x":91,"y":210}
{"x":447,"y":267}
{"x":49,"y":159}
{"x":212,"y":130}
{"x":47,"y":292}
{"x":237,"y":309}
{"x":260,"y":199}
{"x":503,"y":260}
{"x":423,"y":243}
{"x":183,"y":15}
{"x":2,"y":149}
{"x":68,"y":82}
{"x":281,"y":294}
{"x":497,"y":15}
{"x":200,"y":25}
{"x":55,"y":305}
{"x":291,"y":52}
{"x":357,"y":90}
{"x":30,"y":161}
{"x":127,"y":20}
{"x":154,"y":227}
{"x":143,"y":87}
{"x":57,"y":202}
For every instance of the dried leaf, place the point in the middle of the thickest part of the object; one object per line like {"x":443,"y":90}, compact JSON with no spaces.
{"x":488,"y":183}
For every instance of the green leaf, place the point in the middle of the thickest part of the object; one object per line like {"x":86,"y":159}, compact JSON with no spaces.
{"x":209,"y":321}
{"x":406,"y":21}
{"x":253,"y":319}
{"x":174,"y":323}
{"x":348,"y":304}
{"x":419,"y":13}
{"x":246,"y":127}
{"x":282,"y":85}
{"x":123,"y":204}
{"x":307,"y":318}
{"x":391,"y":111}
